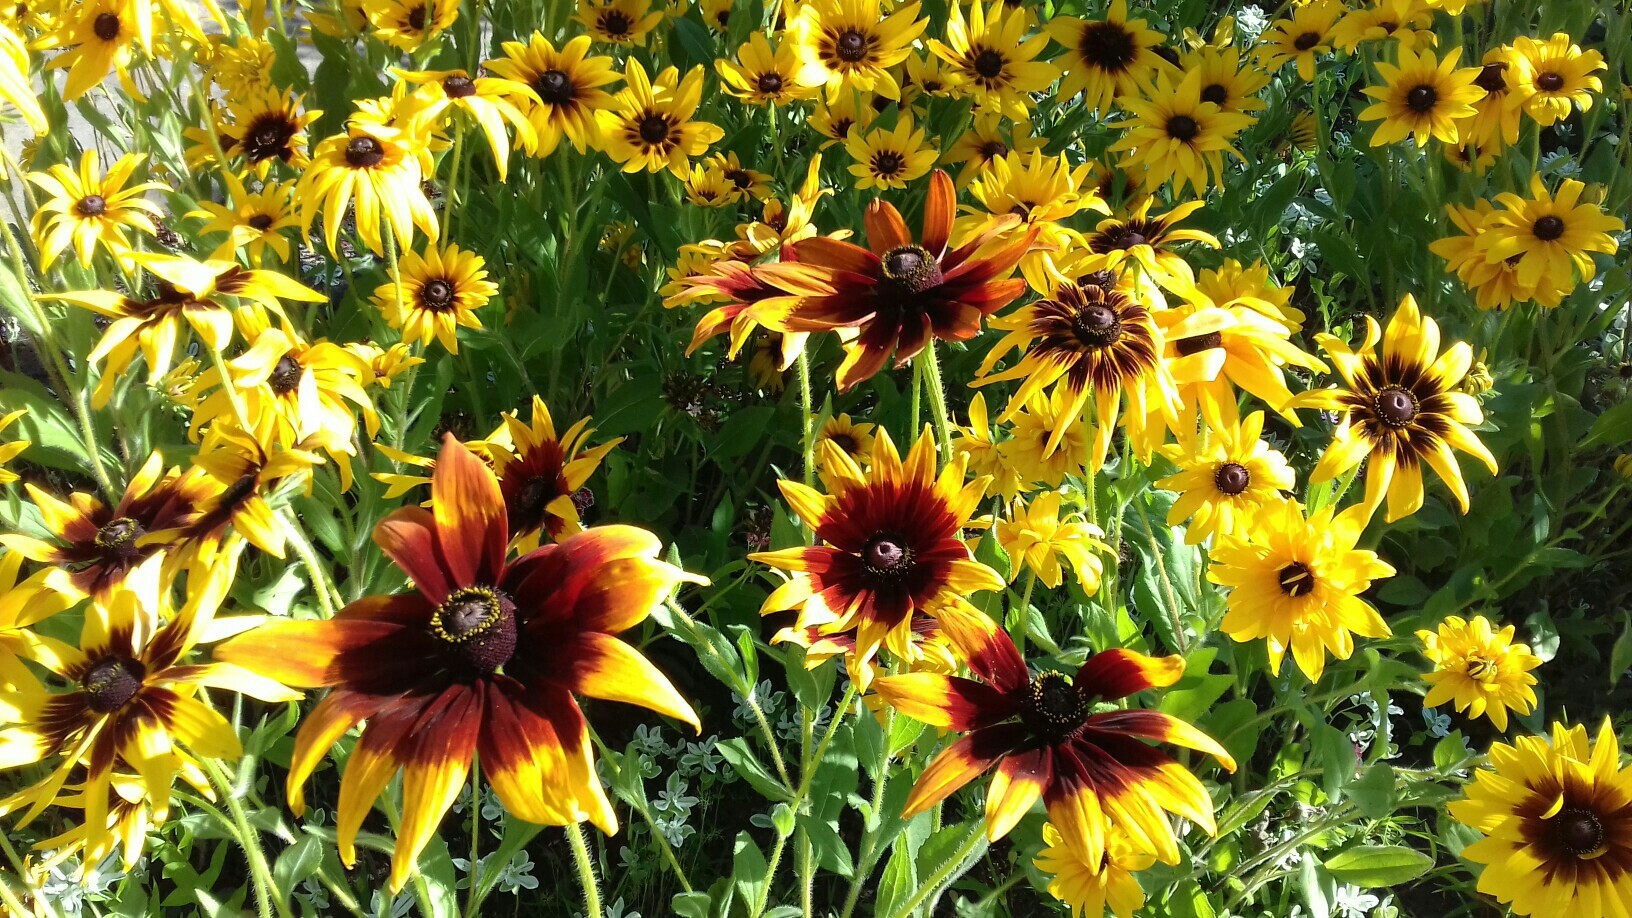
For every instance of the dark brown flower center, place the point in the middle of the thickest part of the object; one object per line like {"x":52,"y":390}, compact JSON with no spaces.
{"x":118,"y":537}
{"x":554,"y":87}
{"x":436,"y":295}
{"x":92,"y":205}
{"x":770,"y":83}
{"x":268,"y":136}
{"x":1549,"y":82}
{"x":1306,"y":41}
{"x":111,"y":682}
{"x":478,"y":625}
{"x":533,"y":497}
{"x":1195,"y":344}
{"x":992,"y":149}
{"x":1548,"y":228}
{"x":1232,"y":478}
{"x":1579,"y":831}
{"x":850,"y":46}
{"x":1492,"y":78}
{"x":1182,"y":128}
{"x":262,"y":222}
{"x":1108,"y":46}
{"x":616,"y":24}
{"x":841,"y":126}
{"x":911,"y":268}
{"x":844,"y":442}
{"x":459,"y":86}
{"x":416,"y":19}
{"x":739,"y":178}
{"x":1053,"y":708}
{"x":1216,"y":93}
{"x":887,"y":556}
{"x":1296,"y":580}
{"x":1397,"y":407}
{"x":1421,"y":99}
{"x":989,"y":64}
{"x":888,"y":163}
{"x":106,"y":26}
{"x":364,"y":152}
{"x":1097,"y":325}
{"x":285,"y":375}
{"x":654,"y":129}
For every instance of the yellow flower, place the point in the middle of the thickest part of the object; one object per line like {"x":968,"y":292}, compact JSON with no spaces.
{"x":988,"y":138}
{"x":855,"y":439}
{"x":1044,"y":192}
{"x":890,"y":158}
{"x":235,"y":475}
{"x":1423,"y":98}
{"x":1409,"y":22}
{"x":490,"y":102}
{"x":1496,"y":285}
{"x":707,"y":186}
{"x":242,"y":66}
{"x":761,"y":74}
{"x":619,"y":22}
{"x":1233,"y":283}
{"x":991,"y":58}
{"x":409,"y":24}
{"x":846,"y":45}
{"x":1497,"y":113}
{"x":835,"y":119}
{"x":649,"y":124}
{"x":252,"y":221}
{"x":1037,"y":539}
{"x":1558,"y":831}
{"x":1623,"y":466}
{"x":86,"y":210}
{"x":1225,"y":482}
{"x":386,"y":364}
{"x":977,"y":445}
{"x":263,"y":128}
{"x":1559,"y":72}
{"x":438,"y":293}
{"x":1224,"y":82}
{"x":1091,"y":886}
{"x":750,"y":182}
{"x":10,"y":451}
{"x":1106,"y":59}
{"x":1297,"y":582}
{"x":1174,"y":135}
{"x":717,"y":13}
{"x":102,"y":35}
{"x":1300,"y":38}
{"x":1146,"y":240}
{"x":1552,"y":236}
{"x":567,"y":86}
{"x":16,"y":86}
{"x":539,"y":472}
{"x":1479,"y":669}
{"x":1046,"y":442}
{"x":378,"y":171}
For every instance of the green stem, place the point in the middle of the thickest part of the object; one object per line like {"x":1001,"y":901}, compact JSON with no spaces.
{"x":742,"y":689}
{"x":809,"y":419}
{"x":937,"y":398}
{"x":586,"y":870}
{"x":1167,"y":583}
{"x":327,"y":595}
{"x":947,"y":872}
{"x":267,"y":901}
{"x":1020,"y":616}
{"x":869,"y":839}
{"x":475,"y":837}
{"x":821,"y":747}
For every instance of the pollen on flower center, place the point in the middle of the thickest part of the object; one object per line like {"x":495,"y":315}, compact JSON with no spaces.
{"x":106,"y":26}
{"x":1107,"y":45}
{"x":111,"y":682}
{"x":1183,"y":128}
{"x":1397,"y":407}
{"x":1296,"y":579}
{"x":1053,"y":708}
{"x":436,"y":295}
{"x":285,"y":376}
{"x":851,"y":46}
{"x":1549,"y":82}
{"x":92,"y":205}
{"x":1421,"y":99}
{"x":364,"y":152}
{"x":1096,"y":325}
{"x":554,"y":87}
{"x":911,"y":268}
{"x":1548,"y":228}
{"x":989,"y":64}
{"x":1198,"y":343}
{"x":478,"y":624}
{"x":1232,"y":478}
{"x":118,"y":537}
{"x":886,"y":556}
{"x":654,"y":129}
{"x":1579,"y":832}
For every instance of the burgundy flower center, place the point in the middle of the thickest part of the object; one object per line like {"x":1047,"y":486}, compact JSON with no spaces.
{"x":285,"y":376}
{"x":92,"y":205}
{"x":106,"y":26}
{"x":1216,"y":93}
{"x":1548,"y":228}
{"x":1579,"y":831}
{"x":1549,"y":82}
{"x":268,"y":137}
{"x":1232,"y":478}
{"x":1492,"y":78}
{"x":118,"y":537}
{"x":1306,"y":41}
{"x":654,"y":129}
{"x":262,"y":222}
{"x":459,"y":86}
{"x":1421,"y":99}
{"x":1397,"y":407}
{"x":554,"y":87}
{"x":616,"y":24}
{"x":1195,"y":344}
{"x":770,"y":83}
{"x":478,"y":625}
{"x":436,"y":295}
{"x":1107,"y":45}
{"x":989,"y":64}
{"x":364,"y":152}
{"x":992,"y":149}
{"x":739,"y":178}
{"x":1296,"y":580}
{"x":1097,"y":325}
{"x":911,"y":268}
{"x":1183,"y":128}
{"x":1053,"y":708}
{"x":887,"y":556}
{"x":111,"y":682}
{"x":850,"y":46}
{"x":534,"y":496}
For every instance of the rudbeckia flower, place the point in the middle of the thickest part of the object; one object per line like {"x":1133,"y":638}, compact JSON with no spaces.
{"x":1224,"y":82}
{"x":1553,"y":237}
{"x":86,"y":210}
{"x":378,"y":171}
{"x":835,"y":119}
{"x":232,"y":476}
{"x":978,"y":446}
{"x":1422,"y":97}
{"x":1174,"y":135}
{"x":1108,"y":58}
{"x":1037,"y":539}
{"x":1093,"y":886}
{"x":846,"y":45}
{"x":1308,"y":33}
{"x":242,"y":65}
{"x":886,"y":158}
{"x":887,"y":548}
{"x":707,"y":186}
{"x":1408,"y":22}
{"x":750,"y":182}
{"x":568,"y":86}
{"x":1557,"y":824}
{"x":24,"y":602}
{"x":1146,"y":240}
{"x":438,"y":293}
{"x":253,"y":221}
{"x":1560,"y":74}
{"x":264,"y":128}
{"x":483,"y":657}
{"x":1479,"y":669}
{"x":10,"y":451}
{"x":540,"y":471}
{"x":1046,"y":444}
{"x":16,"y":87}
{"x":1041,"y":734}
{"x":1496,"y":285}
{"x":1045,"y":192}
{"x":1400,"y":408}
{"x":746,"y":297}
{"x":409,"y":24}
{"x":649,"y":124}
{"x":101,"y":36}
{"x":990,"y":137}
{"x":1226,"y":482}
{"x":618,"y":22}
{"x":1296,"y":581}
{"x":992,"y":59}
{"x":1496,"y":113}
{"x":493,"y":103}
{"x":762,"y":74}
{"x":853,"y":439}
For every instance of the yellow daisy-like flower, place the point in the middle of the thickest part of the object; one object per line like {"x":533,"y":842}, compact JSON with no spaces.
{"x":1496,"y":285}
{"x":977,"y":446}
{"x":751,"y":183}
{"x":1224,"y":82}
{"x":762,"y":74}
{"x":409,"y":24}
{"x":1046,"y":443}
{"x":253,"y":221}
{"x":887,"y":158}
{"x":1301,"y":38}
{"x":1106,"y":58}
{"x":567,"y":86}
{"x":855,"y":439}
{"x":243,"y":66}
{"x":438,"y":293}
{"x":1409,"y":22}
{"x":1553,"y":236}
{"x":1225,"y":483}
{"x":1423,"y":97}
{"x":264,"y":128}
{"x":1557,"y":824}
{"x":1233,"y":283}
{"x":87,"y":210}
{"x":848,"y":45}
{"x":1174,"y":135}
{"x":10,"y":451}
{"x":1479,"y":669}
{"x":16,"y":87}
{"x":649,"y":124}
{"x":716,"y":13}
{"x":1146,"y":240}
{"x":1560,"y":73}
{"x":1037,"y":539}
{"x":492,"y":103}
{"x":1496,"y":114}
{"x":707,"y":186}
{"x":926,"y":75}
{"x":101,"y":36}
{"x":990,"y":137}
{"x":992,"y":60}
{"x":1044,"y":191}
{"x":835,"y":119}
{"x":1092,"y":886}
{"x":619,"y":22}
{"x":1297,"y":581}
{"x":377,"y":171}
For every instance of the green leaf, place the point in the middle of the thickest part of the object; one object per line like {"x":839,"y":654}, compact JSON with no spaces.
{"x":1373,"y":792}
{"x":1620,"y":656}
{"x":1377,"y":866}
{"x":1613,"y":427}
{"x":747,"y":765}
{"x":748,"y":870}
{"x":899,"y":880}
{"x":690,"y":905}
{"x":297,"y":862}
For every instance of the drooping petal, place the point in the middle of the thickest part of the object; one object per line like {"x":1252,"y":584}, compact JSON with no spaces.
{"x":436,"y":757}
{"x":962,"y":762}
{"x":1118,"y":673}
{"x":601,"y":666}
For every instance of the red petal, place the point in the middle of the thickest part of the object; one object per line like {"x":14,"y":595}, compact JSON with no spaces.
{"x":939,"y":210}
{"x":1118,"y":673}
{"x":408,"y":537}
{"x":602,"y":579}
{"x":471,"y":528}
{"x":990,"y":651}
{"x":885,"y":228}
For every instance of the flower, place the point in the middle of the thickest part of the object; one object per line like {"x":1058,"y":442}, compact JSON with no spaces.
{"x":649,"y":124}
{"x":252,"y":221}
{"x":846,"y":45}
{"x":567,"y":86}
{"x":378,"y":171}
{"x":855,"y":440}
{"x":233,"y":474}
{"x":1044,"y":192}
{"x":1548,"y":233}
{"x":1401,"y":408}
{"x":1480,"y":669}
{"x":484,"y":656}
{"x":1409,"y":22}
{"x":1557,"y":825}
{"x":1145,"y":239}
{"x":762,"y":74}
{"x":438,"y":293}
{"x":10,"y":451}
{"x":707,"y":186}
{"x":1108,"y":58}
{"x":1495,"y":284}
{"x":263,"y":127}
{"x":87,"y":210}
{"x":243,"y":65}
{"x":619,"y":22}
{"x":1040,"y":732}
{"x":1224,"y":82}
{"x":102,"y":35}
{"x":989,"y":138}
{"x":992,"y":60}
{"x":409,"y":24}
{"x":489,"y":102}
{"x":1496,"y":114}
{"x":1036,"y":450}
{"x":748,"y":182}
{"x":540,"y":471}
{"x":1176,"y":135}
{"x":1423,"y":97}
{"x":15,"y":85}
{"x":1297,"y":581}
{"x":1037,"y":539}
{"x":887,"y":548}
{"x":1224,"y":483}
{"x":23,"y":605}
{"x":1309,"y":32}
{"x":1090,"y":886}
{"x":835,"y":119}
{"x":986,"y":456}
{"x":1559,"y":72}
{"x":890,"y":158}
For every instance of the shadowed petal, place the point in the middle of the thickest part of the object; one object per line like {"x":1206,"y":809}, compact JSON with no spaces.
{"x":471,"y":528}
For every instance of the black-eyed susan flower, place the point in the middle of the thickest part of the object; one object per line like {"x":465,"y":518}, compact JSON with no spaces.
{"x":1421,"y":98}
{"x":716,"y":13}
{"x":1496,"y":285}
{"x":989,"y":137}
{"x":16,"y":87}
{"x":493,"y":104}
{"x":485,"y":656}
{"x":129,"y":820}
{"x":568,"y":86}
{"x":86,"y":210}
{"x":834,"y":119}
{"x":264,"y":128}
{"x":1557,"y":824}
{"x":707,"y":186}
{"x":1497,"y":113}
{"x":888,"y":548}
{"x":1479,"y":669}
{"x":377,"y":173}
{"x":252,"y":221}
{"x":986,"y":456}
{"x":1301,"y":38}
{"x":1296,"y":582}
{"x":1560,"y":74}
{"x":410,"y":24}
{"x":1147,"y":240}
{"x":233,"y":476}
{"x":242,"y":65}
{"x":747,"y":298}
{"x":1093,"y":886}
{"x":1553,"y":236}
{"x":650,"y":123}
{"x":1224,"y":82}
{"x":438,"y":292}
{"x":1046,"y":444}
{"x":101,"y":36}
{"x":1235,"y":284}
{"x":1402,"y":409}
{"x":540,"y":471}
{"x":1044,"y":192}
{"x":1408,"y":22}
{"x":1108,"y":58}
{"x":1171,"y":134}
{"x":1042,"y":735}
{"x":926,"y":75}
{"x":846,"y":45}
{"x":890,"y":158}
{"x":750,"y":182}
{"x":619,"y":22}
{"x":1224,"y":482}
{"x":990,"y":57}
{"x":855,"y":439}
{"x":12,"y":449}
{"x":1038,"y":539}
{"x":762,"y":74}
